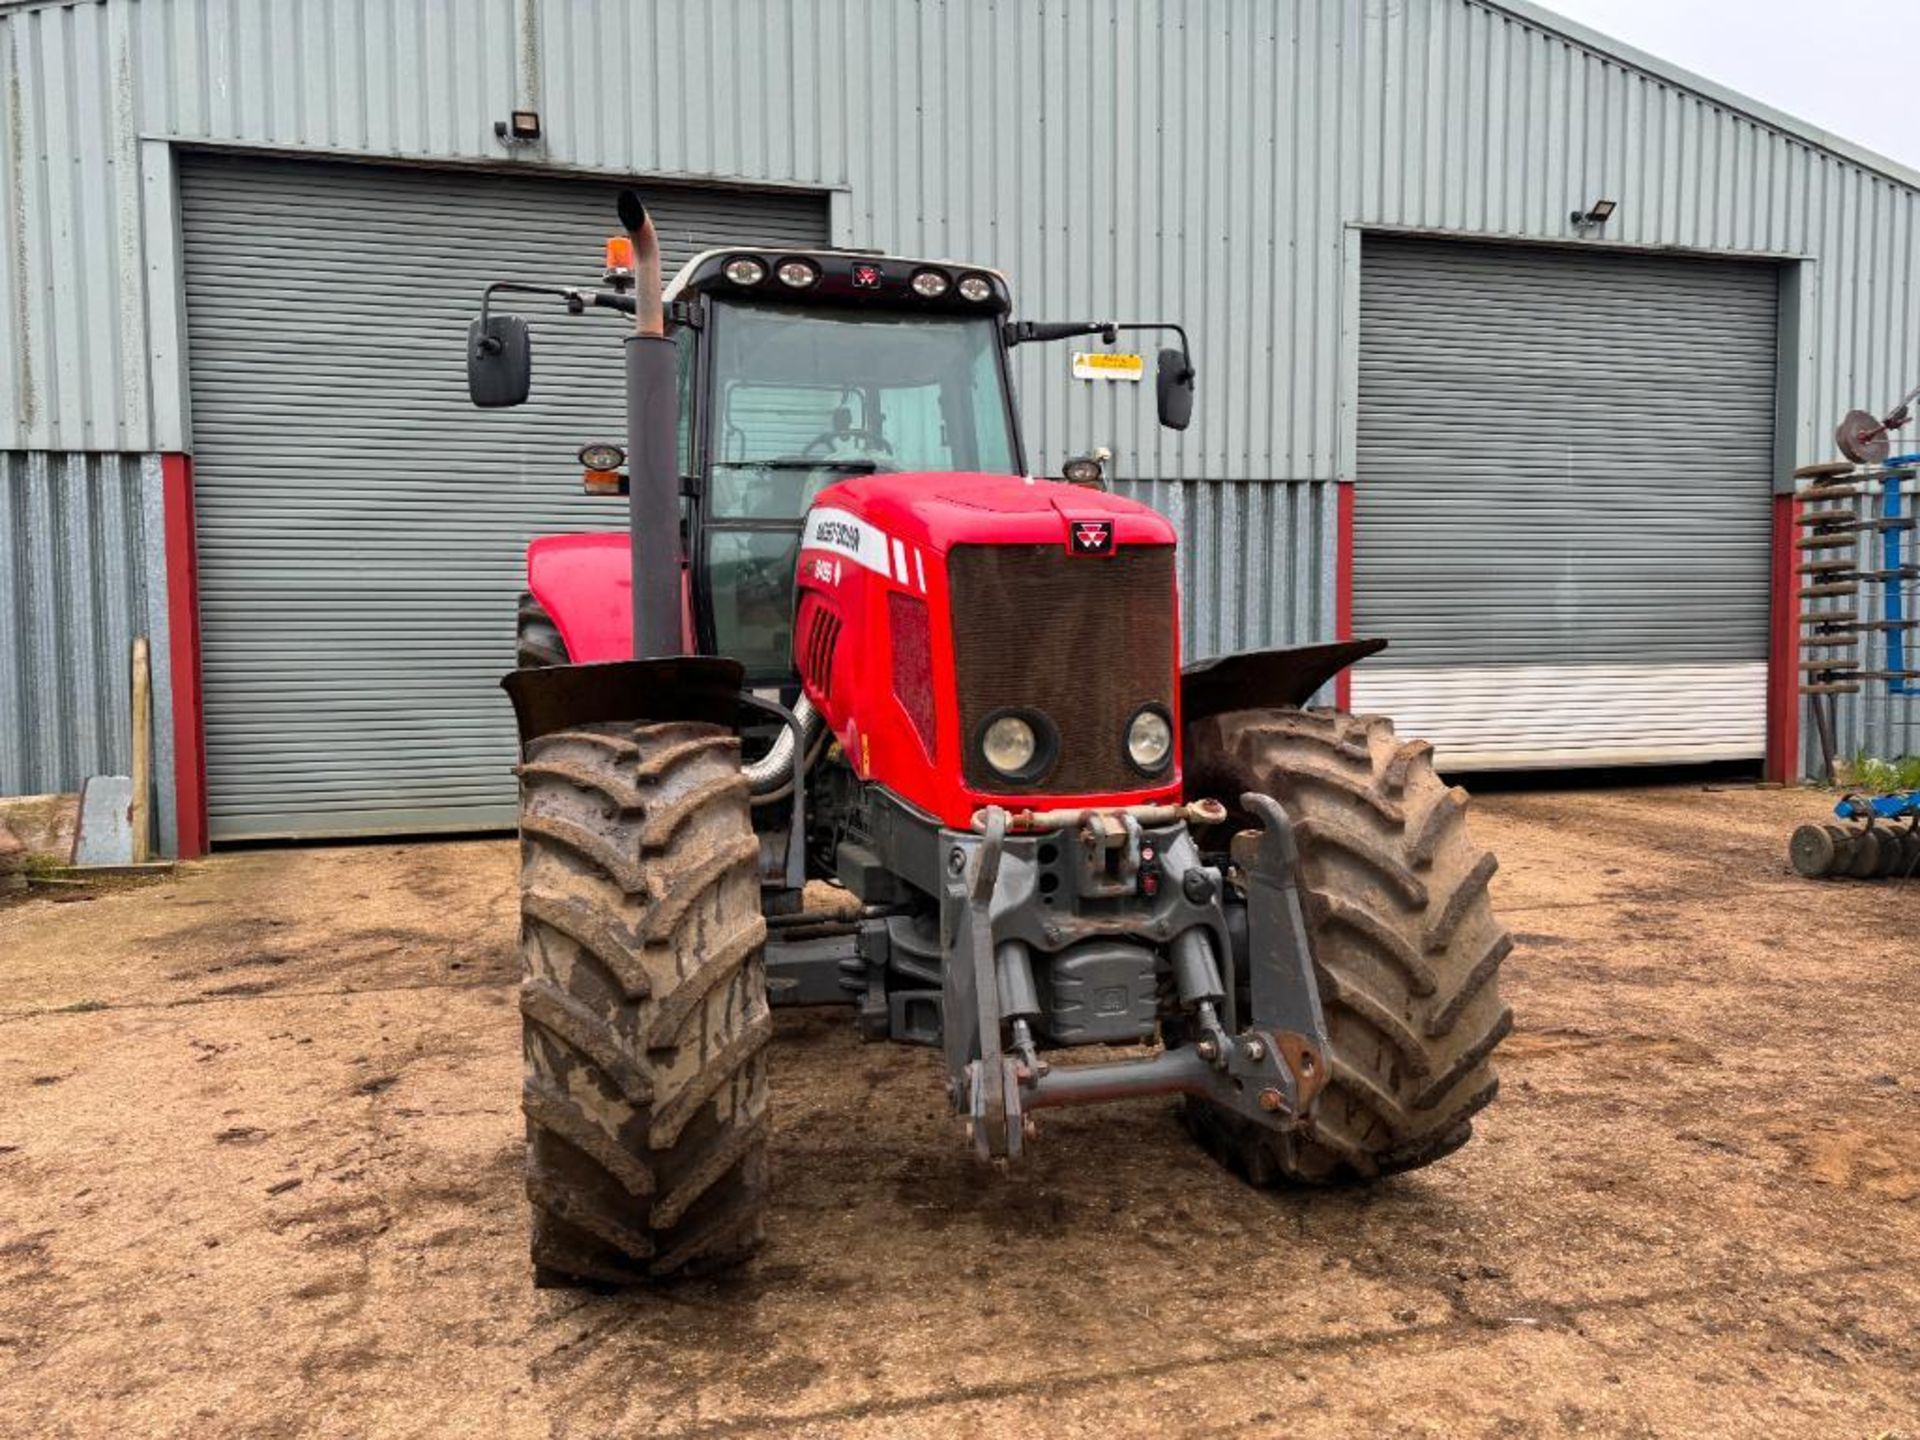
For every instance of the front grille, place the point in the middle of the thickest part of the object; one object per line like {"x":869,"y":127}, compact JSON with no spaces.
{"x":1084,"y":640}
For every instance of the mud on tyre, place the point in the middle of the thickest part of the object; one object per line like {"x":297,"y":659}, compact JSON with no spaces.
{"x":1406,"y":947}
{"x":644,"y":1003}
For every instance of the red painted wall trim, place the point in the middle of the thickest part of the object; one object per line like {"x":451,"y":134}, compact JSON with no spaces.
{"x":1783,"y":651}
{"x":1343,"y":588}
{"x":183,"y":641}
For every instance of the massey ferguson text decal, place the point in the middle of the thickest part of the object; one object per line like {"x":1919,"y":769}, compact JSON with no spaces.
{"x":864,"y":544}
{"x":840,"y":534}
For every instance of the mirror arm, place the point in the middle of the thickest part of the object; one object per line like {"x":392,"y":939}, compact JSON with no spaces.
{"x":1027,"y":332}
{"x":611,"y":300}
{"x":577,"y":302}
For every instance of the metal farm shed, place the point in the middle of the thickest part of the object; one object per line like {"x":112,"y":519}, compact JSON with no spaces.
{"x":1547,"y":456}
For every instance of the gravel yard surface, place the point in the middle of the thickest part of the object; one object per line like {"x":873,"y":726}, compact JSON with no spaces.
{"x":260,"y":1153}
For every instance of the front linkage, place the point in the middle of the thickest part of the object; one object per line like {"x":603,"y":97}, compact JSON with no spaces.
{"x":1013,"y":878}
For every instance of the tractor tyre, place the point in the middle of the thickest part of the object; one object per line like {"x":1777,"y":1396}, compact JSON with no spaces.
{"x":1406,"y":948}
{"x":537,"y":639}
{"x":644,"y":1003}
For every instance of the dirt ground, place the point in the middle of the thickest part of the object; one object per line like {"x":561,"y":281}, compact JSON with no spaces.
{"x":259,"y":1174}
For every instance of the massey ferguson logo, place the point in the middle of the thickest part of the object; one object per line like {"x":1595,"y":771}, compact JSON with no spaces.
{"x":1092,"y":537}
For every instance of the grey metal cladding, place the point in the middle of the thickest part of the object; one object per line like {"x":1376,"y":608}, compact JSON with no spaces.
{"x":1563,"y":456}
{"x":80,"y":577}
{"x":1152,"y":159}
{"x":361,"y":526}
{"x":1256,"y":560}
{"x":1113,"y":156}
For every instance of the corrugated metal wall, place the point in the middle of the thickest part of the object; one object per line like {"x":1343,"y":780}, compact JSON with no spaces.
{"x":1202,"y":159}
{"x":1144,"y":157}
{"x":79,"y":536}
{"x":1253,"y":559}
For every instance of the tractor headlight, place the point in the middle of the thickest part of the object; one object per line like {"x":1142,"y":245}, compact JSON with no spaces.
{"x":744,"y":270}
{"x":1011,"y":746}
{"x":975,"y":288}
{"x":1150,"y":740}
{"x":1081,"y":470}
{"x":929,"y":284}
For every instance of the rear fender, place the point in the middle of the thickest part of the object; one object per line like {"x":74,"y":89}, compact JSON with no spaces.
{"x":1265,"y":679}
{"x":585,"y":584}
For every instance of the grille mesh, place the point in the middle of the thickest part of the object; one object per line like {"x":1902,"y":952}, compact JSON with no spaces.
{"x":822,"y":636}
{"x":910,"y":631}
{"x":1086,"y":641}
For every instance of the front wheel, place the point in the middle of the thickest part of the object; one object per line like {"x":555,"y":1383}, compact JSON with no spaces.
{"x":1406,"y":948}
{"x":644,"y":1003}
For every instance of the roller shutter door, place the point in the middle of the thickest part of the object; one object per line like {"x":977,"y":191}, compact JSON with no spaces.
{"x":1562,"y":502}
{"x":361,"y":527}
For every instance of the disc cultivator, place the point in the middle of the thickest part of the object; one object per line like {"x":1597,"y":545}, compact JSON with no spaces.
{"x":1854,"y":518}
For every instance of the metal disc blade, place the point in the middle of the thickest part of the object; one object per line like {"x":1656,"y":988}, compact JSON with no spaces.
{"x":1811,"y":850}
{"x":1861,"y":438}
{"x":1866,"y":855}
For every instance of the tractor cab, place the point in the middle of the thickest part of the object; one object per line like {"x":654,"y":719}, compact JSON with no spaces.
{"x":801,"y":370}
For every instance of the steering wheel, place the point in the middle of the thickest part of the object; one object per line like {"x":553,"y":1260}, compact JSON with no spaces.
{"x":829,"y":438}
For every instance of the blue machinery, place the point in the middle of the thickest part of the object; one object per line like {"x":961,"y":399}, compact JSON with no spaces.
{"x":1882,"y":840}
{"x":1841,"y":505}
{"x":1894,"y":573}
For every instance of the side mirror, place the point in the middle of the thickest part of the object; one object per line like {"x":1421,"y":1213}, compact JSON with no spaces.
{"x":1174,"y":383}
{"x":499,"y":361}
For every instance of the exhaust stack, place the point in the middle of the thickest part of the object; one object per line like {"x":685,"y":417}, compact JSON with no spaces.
{"x":653,"y":499}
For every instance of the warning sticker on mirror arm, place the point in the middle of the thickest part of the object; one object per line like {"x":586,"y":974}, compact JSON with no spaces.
{"x":1108,"y":365}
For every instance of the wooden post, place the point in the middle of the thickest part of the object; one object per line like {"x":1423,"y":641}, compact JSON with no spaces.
{"x":142,"y":751}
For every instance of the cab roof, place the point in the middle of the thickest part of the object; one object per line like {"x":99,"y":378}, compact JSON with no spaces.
{"x":853,"y":278}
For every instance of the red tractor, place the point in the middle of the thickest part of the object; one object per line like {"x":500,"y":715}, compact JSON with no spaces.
{"x":855,"y":710}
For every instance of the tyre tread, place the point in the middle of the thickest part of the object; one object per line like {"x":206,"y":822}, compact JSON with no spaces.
{"x":1407,"y":948}
{"x":644,"y":1004}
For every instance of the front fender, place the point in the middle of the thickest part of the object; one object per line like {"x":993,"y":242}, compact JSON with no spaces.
{"x":1265,"y":679}
{"x":677,"y":687}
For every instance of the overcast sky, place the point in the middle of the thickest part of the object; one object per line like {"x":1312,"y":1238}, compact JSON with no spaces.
{"x":1846,"y":66}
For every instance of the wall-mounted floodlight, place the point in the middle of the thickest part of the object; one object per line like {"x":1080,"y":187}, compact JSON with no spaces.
{"x":522,"y":129}
{"x":1601,"y":212}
